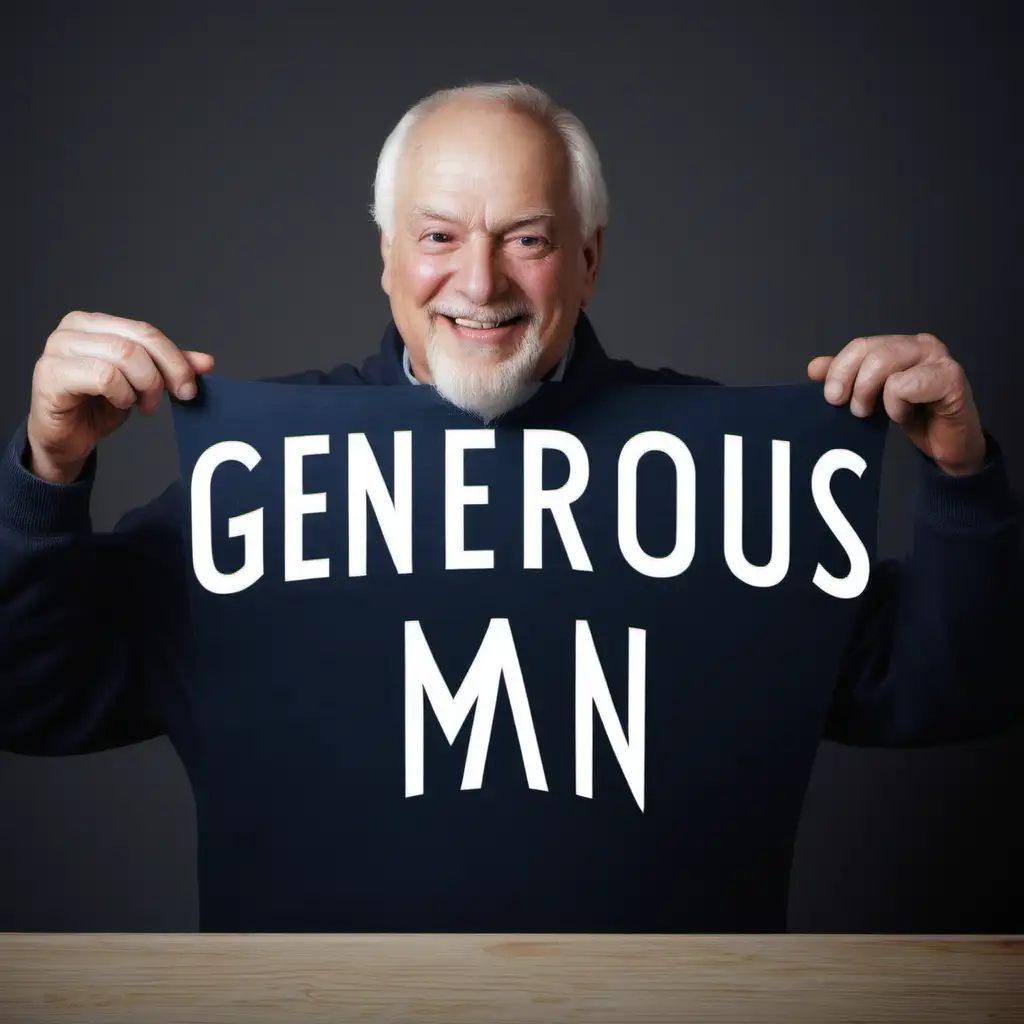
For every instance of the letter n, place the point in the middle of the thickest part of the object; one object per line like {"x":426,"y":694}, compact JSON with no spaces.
{"x":592,"y":693}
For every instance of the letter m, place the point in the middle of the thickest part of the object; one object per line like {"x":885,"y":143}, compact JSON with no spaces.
{"x":495,"y":659}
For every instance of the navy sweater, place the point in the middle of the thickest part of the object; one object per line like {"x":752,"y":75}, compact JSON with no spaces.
{"x":91,"y":658}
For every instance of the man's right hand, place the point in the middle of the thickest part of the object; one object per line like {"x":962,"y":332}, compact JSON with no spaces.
{"x":93,"y":370}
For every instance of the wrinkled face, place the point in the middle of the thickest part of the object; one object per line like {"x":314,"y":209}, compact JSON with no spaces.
{"x":487,"y":270}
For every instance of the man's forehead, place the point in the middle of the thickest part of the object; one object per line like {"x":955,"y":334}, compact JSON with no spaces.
{"x":457,"y":193}
{"x":496,"y":220}
{"x":487,"y":166}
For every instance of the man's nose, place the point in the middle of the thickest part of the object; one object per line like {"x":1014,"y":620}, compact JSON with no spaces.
{"x":479,"y":277}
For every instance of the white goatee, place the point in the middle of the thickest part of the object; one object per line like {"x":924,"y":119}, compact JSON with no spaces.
{"x":481,"y":387}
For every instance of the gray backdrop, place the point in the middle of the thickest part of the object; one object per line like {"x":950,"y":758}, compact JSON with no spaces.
{"x":781,"y":183}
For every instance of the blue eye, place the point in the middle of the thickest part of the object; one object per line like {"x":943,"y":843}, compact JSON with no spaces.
{"x":438,"y":236}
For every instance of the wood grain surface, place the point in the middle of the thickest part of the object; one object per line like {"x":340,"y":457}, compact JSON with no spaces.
{"x":477,"y":978}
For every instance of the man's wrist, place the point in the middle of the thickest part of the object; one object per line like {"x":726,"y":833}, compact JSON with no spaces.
{"x":32,"y":505}
{"x":977,"y":457}
{"x":983,"y":499}
{"x":49,"y":471}
{"x":962,"y":468}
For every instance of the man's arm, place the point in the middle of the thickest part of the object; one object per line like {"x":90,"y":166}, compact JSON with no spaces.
{"x":934,"y":658}
{"x":90,"y":623}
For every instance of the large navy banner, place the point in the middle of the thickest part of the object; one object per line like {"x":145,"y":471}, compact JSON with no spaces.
{"x":534,"y":661}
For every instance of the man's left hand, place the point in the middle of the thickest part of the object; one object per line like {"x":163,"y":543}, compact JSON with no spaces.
{"x":923,"y":389}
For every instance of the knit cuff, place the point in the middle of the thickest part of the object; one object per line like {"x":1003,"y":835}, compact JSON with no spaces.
{"x":977,"y":501}
{"x":35,"y":507}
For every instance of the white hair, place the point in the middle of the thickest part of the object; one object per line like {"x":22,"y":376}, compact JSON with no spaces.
{"x":588,"y":186}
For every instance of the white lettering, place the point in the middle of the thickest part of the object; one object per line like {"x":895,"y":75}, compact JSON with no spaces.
{"x":679,"y":558}
{"x":774,"y":571}
{"x":496,"y":659}
{"x":592,"y":692}
{"x":558,"y":500}
{"x":457,"y":494}
{"x":860,"y":564}
{"x":394,"y":516}
{"x":298,"y":503}
{"x":248,"y":525}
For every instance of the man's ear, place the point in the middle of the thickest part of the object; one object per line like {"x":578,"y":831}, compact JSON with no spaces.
{"x":385,"y":255}
{"x":591,"y":264}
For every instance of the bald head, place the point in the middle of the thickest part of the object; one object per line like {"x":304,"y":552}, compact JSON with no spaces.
{"x":590,"y":193}
{"x":478,"y":159}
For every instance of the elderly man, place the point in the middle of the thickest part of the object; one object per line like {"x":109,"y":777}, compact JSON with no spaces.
{"x":492,"y":208}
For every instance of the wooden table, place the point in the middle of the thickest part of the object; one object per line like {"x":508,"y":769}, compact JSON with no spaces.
{"x":479,"y":978}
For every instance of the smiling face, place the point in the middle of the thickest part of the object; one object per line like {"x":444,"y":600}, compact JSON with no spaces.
{"x":487,"y":270}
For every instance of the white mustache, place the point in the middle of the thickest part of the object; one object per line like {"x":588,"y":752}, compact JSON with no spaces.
{"x":497,"y":315}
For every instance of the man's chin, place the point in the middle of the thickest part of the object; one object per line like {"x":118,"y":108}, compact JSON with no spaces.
{"x":484,"y":388}
{"x":488,"y":373}
{"x":484,"y":395}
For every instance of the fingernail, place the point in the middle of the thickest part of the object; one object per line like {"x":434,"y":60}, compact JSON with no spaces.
{"x":833,"y":391}
{"x":187,"y":391}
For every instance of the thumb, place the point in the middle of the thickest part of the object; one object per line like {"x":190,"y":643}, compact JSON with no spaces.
{"x":817,"y":368}
{"x":201,"y":362}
